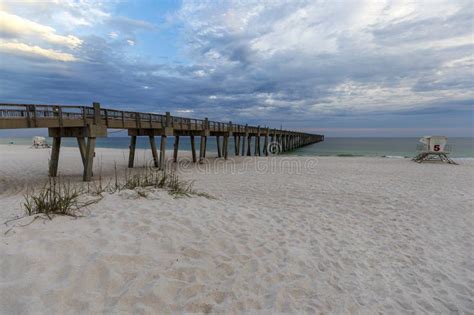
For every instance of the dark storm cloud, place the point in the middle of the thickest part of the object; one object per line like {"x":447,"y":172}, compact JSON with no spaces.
{"x":287,"y":61}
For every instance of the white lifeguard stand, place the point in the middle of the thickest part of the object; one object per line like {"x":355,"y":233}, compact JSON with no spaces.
{"x":433,"y":148}
{"x":40,"y":142}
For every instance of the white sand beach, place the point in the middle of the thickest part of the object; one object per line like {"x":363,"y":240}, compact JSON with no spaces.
{"x":283,"y":235}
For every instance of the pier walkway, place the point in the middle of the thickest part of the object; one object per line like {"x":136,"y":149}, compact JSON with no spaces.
{"x":86,"y":123}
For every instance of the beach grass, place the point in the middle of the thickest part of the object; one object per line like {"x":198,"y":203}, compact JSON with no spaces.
{"x":58,"y":197}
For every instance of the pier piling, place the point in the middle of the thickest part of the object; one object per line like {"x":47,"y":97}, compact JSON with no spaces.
{"x":175,"y":149}
{"x":131,"y":155}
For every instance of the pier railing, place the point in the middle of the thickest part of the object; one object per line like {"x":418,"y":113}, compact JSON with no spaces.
{"x":47,"y":116}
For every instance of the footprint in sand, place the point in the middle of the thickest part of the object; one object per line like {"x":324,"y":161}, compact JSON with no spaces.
{"x":227,"y":269}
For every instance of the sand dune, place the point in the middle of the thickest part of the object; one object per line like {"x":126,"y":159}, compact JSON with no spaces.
{"x":291,"y":235}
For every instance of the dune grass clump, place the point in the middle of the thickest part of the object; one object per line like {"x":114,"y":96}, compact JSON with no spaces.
{"x":54,"y":198}
{"x":62,"y":198}
{"x":149,"y":178}
{"x":163,"y":180}
{"x":178,"y":187}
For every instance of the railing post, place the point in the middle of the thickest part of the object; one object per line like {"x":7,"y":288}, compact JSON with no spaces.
{"x":96,"y":113}
{"x":137,"y":120}
{"x":84,"y":114}
{"x":60,"y":115}
{"x":28,"y":116}
{"x":35,"y":116}
{"x":168,"y":121}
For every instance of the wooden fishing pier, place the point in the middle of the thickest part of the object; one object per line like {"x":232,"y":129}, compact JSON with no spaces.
{"x":86,"y":123}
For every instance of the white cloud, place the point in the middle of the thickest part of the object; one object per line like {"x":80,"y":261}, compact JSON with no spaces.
{"x":330,"y":56}
{"x":130,"y":42}
{"x":113,"y":35}
{"x":15,"y":26}
{"x":69,"y":21}
{"x":466,"y":61}
{"x":24,"y":49}
{"x":200,"y":73}
{"x":64,"y":14}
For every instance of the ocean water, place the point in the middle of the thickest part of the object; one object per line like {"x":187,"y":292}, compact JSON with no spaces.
{"x":385,"y":147}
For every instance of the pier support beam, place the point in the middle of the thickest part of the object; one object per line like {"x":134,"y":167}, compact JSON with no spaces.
{"x":53,"y":163}
{"x":225,"y":147}
{"x":131,"y":156}
{"x":81,"y":142}
{"x":193,"y":148}
{"x":175,"y":149}
{"x":162,"y":165}
{"x":202,"y":149}
{"x":255,"y":146}
{"x":259,"y":149}
{"x":236,"y":146}
{"x":218,"y":143}
{"x":265,"y":144}
{"x":154,"y":152}
{"x":249,"y":140}
{"x":90,"y":153}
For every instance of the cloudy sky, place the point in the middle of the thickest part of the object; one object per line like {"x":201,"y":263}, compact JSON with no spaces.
{"x":342,"y":68}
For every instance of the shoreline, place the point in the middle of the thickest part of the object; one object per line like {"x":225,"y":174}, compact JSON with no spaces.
{"x":291,"y":154}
